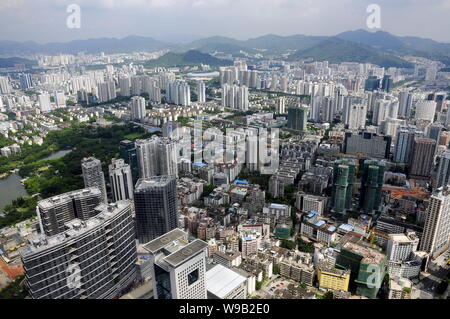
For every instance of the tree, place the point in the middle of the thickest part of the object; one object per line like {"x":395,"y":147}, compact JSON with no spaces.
{"x":288,"y":244}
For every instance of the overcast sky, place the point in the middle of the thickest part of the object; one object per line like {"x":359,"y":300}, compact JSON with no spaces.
{"x":45,"y":20}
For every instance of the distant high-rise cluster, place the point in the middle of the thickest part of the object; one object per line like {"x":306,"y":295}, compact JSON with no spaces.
{"x":178,"y":93}
{"x":235,"y":97}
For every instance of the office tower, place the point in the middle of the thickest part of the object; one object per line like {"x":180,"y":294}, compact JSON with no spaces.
{"x":443,"y":173}
{"x":106,"y":91}
{"x":387,"y":83}
{"x":127,"y":151}
{"x":60,"y":99}
{"x":436,"y":232}
{"x":201,"y":92}
{"x":354,"y":115}
{"x":92,"y":259}
{"x":298,"y":118}
{"x":54,"y":212}
{"x":372,"y":84}
{"x":138,"y":111}
{"x":423,"y":157}
{"x":25,"y":81}
{"x":400,"y":247}
{"x":155,"y":202}
{"x":425,"y":110}
{"x":434,"y":131}
{"x":344,"y":177}
{"x":5,"y":87}
{"x":121,"y":180}
{"x":405,"y":143}
{"x":125,"y":86}
{"x":93,"y":175}
{"x":405,"y":104}
{"x":178,"y":266}
{"x":44,"y":102}
{"x":368,"y":144}
{"x":281,"y":105}
{"x":372,"y":181}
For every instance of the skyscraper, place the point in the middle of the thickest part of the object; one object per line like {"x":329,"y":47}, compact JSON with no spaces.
{"x":235,"y":97}
{"x":405,"y":143}
{"x":5,"y":87}
{"x":93,"y":259}
{"x":298,"y":118}
{"x":138,"y":111}
{"x":201,"y":92}
{"x":436,"y":232}
{"x":55,"y":211}
{"x":443,"y":174}
{"x":106,"y":91}
{"x":178,"y":266}
{"x":423,"y":158}
{"x":44,"y":102}
{"x":344,"y":177}
{"x":155,"y":201}
{"x":127,"y":151}
{"x":157,"y":156}
{"x":372,"y":181}
{"x":121,"y":180}
{"x":425,"y":110}
{"x":405,"y":104}
{"x":93,"y":175}
{"x":125,"y":86}
{"x":25,"y":81}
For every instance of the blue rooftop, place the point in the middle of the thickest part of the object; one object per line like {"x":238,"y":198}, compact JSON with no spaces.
{"x":237,"y":181}
{"x":346,"y":227}
{"x":320,"y":223}
{"x":311,"y":214}
{"x":200,"y":164}
{"x":331,"y":228}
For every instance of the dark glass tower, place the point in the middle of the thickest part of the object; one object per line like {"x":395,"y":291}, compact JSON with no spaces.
{"x":344,"y":176}
{"x":372,"y":181}
{"x":127,"y":151}
{"x":298,"y":118}
{"x":155,"y":202}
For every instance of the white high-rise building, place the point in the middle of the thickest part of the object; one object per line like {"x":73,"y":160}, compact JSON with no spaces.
{"x":201,"y":92}
{"x":400,"y":247}
{"x":425,"y":110}
{"x":281,"y":105}
{"x":178,"y":93}
{"x":157,"y":156}
{"x":354,"y":116}
{"x":106,"y":91}
{"x":436,"y":232}
{"x":138,"y":110}
{"x":235,"y":97}
{"x":60,"y":99}
{"x":5,"y":87}
{"x":121,"y":180}
{"x":93,"y":175}
{"x":44,"y":102}
{"x":178,"y":266}
{"x":125,"y":86}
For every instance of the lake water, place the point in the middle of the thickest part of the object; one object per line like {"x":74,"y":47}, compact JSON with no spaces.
{"x":11,"y":188}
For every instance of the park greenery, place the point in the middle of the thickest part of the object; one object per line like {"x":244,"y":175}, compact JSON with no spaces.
{"x":15,"y":290}
{"x":46,"y":178}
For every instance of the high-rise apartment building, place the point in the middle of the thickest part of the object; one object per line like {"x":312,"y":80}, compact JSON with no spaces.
{"x":298,"y":118}
{"x":138,"y":110}
{"x":55,"y":211}
{"x":121,"y":180}
{"x":425,"y":110}
{"x":443,"y":174}
{"x":405,"y":143}
{"x":92,"y":259}
{"x":106,"y":91}
{"x":93,"y":175}
{"x":156,"y":207}
{"x":436,"y":232}
{"x":201,"y":92}
{"x":422,"y":159}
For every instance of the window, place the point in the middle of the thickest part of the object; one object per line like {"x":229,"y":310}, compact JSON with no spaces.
{"x":193,"y":277}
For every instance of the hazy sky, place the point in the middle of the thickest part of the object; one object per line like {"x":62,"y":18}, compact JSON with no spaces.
{"x":45,"y":20}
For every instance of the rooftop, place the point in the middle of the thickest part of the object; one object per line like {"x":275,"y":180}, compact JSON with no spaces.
{"x":221,"y":280}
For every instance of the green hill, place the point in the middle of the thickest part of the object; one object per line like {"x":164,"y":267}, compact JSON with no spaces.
{"x":189,"y":58}
{"x":337,"y":50}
